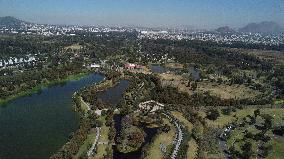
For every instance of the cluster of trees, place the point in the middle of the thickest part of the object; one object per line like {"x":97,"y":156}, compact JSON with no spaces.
{"x":201,"y":53}
{"x":249,"y":137}
{"x":16,"y":83}
{"x":76,"y":139}
{"x":19,"y":46}
{"x":131,"y":137}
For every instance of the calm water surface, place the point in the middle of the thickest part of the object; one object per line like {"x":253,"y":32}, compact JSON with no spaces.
{"x":36,"y":126}
{"x":114,"y":94}
{"x":158,"y":69}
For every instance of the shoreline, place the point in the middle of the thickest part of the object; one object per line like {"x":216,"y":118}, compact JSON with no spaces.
{"x":40,"y":87}
{"x":80,"y":108}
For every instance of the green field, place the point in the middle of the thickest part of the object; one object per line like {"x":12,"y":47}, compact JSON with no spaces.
{"x":86,"y":146}
{"x":277,"y":149}
{"x":164,"y":138}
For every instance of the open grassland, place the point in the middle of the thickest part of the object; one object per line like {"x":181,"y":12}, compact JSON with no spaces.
{"x":85,"y":147}
{"x":74,"y":47}
{"x":177,"y":81}
{"x":174,"y":65}
{"x":192,"y":149}
{"x":182,"y":119}
{"x":277,"y":149}
{"x":163,"y":138}
{"x":103,"y":141}
{"x":220,"y":90}
{"x":101,"y":151}
{"x":276,"y":113}
{"x":276,"y":56}
{"x":226,"y":91}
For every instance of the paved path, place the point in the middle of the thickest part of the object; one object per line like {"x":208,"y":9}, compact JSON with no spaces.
{"x":91,"y":150}
{"x":179,"y":136}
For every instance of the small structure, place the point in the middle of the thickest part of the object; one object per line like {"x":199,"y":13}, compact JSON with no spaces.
{"x":129,"y":66}
{"x":151,"y":106}
{"x":94,"y":65}
{"x":163,"y":148}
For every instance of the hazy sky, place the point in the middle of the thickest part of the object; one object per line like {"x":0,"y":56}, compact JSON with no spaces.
{"x":197,"y":13}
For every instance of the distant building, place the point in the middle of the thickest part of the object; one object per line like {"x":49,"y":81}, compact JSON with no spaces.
{"x":131,"y":66}
{"x":94,"y":65}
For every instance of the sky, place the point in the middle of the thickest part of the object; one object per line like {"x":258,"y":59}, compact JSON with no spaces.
{"x":202,"y":14}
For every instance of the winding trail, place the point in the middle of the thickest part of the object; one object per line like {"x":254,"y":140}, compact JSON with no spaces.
{"x":179,"y":136}
{"x":91,"y":150}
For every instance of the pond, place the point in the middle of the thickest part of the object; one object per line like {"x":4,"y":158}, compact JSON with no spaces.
{"x":150,"y":133}
{"x":194,"y":72}
{"x":36,"y":126}
{"x":114,"y":94}
{"x":158,"y":69}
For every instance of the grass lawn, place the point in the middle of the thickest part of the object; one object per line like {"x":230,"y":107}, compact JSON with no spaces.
{"x":84,"y":106}
{"x":277,"y":149}
{"x":85,"y":147}
{"x":101,"y":151}
{"x":165,"y":138}
{"x":276,"y":113}
{"x":192,"y":149}
{"x":182,"y":119}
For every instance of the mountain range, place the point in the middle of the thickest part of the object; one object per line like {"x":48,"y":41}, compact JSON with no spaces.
{"x":225,"y":29}
{"x":265,"y":27}
{"x":9,"y":21}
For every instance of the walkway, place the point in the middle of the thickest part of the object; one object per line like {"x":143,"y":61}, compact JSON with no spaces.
{"x":91,"y":150}
{"x":179,"y":136}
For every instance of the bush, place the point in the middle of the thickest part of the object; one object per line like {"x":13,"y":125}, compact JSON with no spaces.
{"x":212,"y":114}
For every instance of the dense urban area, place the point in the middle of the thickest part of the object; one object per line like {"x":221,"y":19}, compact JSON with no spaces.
{"x":166,"y":93}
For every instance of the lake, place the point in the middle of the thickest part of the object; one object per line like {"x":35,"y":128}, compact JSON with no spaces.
{"x":114,"y":94}
{"x":36,"y":126}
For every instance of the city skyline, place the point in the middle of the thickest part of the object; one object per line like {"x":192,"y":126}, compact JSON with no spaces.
{"x":204,"y":14}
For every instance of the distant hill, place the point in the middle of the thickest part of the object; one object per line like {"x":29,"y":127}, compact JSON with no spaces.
{"x":263,"y":27}
{"x":9,"y":21}
{"x":225,"y":29}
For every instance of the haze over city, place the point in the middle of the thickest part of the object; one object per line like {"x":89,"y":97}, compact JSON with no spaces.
{"x":141,"y":79}
{"x":205,"y":14}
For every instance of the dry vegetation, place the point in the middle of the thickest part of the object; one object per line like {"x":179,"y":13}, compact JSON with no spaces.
{"x":178,"y":81}
{"x":226,"y":91}
{"x":275,"y":56}
{"x":221,"y":90}
{"x":174,"y":65}
{"x":74,"y":47}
